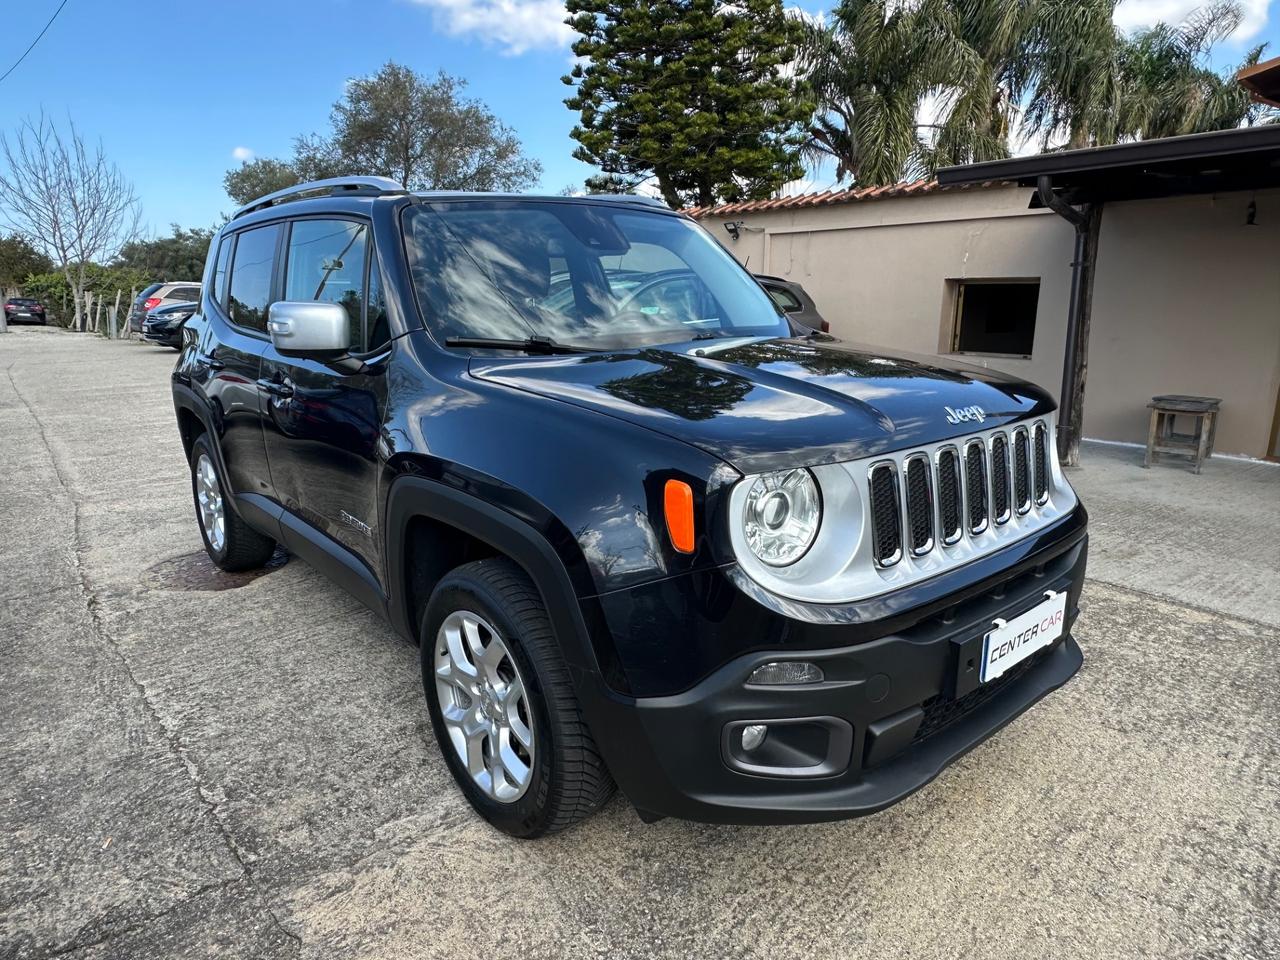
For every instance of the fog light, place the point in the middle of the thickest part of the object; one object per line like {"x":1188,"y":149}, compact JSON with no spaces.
{"x":753,"y":736}
{"x":786,"y":671}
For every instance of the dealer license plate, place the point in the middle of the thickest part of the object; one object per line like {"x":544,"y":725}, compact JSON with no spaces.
{"x":1012,"y":641}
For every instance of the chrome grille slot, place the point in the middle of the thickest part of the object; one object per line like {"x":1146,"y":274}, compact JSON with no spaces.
{"x":1021,"y":471}
{"x":1000,"y":478}
{"x":886,"y":518}
{"x":1042,"y":464}
{"x":950,"y":504}
{"x":919,"y":493}
{"x":975,"y":469}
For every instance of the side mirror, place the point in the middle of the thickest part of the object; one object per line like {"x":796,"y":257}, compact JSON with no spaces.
{"x":307,"y":328}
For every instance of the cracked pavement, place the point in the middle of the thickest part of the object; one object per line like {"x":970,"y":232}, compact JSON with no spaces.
{"x":249,"y":771}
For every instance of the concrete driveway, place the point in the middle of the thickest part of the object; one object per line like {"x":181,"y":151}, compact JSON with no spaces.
{"x":248,"y":771}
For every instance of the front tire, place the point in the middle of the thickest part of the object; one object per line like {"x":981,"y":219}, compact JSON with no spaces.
{"x":502,"y":704}
{"x":231,"y":543}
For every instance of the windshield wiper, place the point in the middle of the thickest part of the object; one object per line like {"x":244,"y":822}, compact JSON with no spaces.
{"x":541,"y":345}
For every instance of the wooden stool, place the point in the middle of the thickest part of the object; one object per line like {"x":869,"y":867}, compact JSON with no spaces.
{"x":1161,"y":438}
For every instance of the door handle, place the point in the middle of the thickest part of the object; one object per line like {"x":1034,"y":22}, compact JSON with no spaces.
{"x":210,"y":361}
{"x":276,"y":388}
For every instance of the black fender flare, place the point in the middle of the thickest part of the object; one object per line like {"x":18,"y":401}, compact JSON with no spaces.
{"x":611,"y":715}
{"x":413,"y":496}
{"x":185,"y":398}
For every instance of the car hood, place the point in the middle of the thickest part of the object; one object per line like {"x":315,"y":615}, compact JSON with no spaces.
{"x":767,"y":404}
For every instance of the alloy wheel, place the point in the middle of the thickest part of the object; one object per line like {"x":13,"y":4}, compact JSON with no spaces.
{"x":213,"y":517}
{"x":484,"y":706}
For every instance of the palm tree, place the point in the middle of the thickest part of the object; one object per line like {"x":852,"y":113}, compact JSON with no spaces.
{"x":979,"y":116}
{"x":1167,"y":87}
{"x":869,"y":69}
{"x":1056,"y":70}
{"x":1071,"y":51}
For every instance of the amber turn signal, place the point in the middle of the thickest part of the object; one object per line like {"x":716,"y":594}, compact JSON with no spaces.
{"x":677,"y":503}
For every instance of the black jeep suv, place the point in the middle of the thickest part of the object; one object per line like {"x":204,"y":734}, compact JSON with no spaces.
{"x":643,"y":531}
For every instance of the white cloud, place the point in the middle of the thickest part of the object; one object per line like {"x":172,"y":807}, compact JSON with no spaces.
{"x":1145,"y":13}
{"x":241,"y":153}
{"x":514,"y":25}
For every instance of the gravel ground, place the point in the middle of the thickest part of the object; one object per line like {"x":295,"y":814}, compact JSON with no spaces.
{"x":198,"y":766}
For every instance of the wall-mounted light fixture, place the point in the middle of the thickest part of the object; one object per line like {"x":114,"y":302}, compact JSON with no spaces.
{"x":733,"y":228}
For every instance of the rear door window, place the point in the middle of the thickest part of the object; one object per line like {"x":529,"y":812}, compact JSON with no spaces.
{"x":252,"y":270}
{"x":183,"y":293}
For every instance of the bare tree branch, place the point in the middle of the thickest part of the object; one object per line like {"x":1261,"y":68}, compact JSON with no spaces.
{"x":67,"y":198}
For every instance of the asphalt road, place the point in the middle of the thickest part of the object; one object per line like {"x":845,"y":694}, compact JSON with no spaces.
{"x":248,"y":771}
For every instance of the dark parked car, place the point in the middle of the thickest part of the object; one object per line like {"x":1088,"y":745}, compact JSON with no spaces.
{"x":24,"y":310}
{"x":795,"y":301}
{"x":163,"y":325}
{"x":643,"y":529}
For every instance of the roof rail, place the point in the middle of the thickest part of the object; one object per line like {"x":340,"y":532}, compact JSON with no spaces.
{"x":629,"y":198}
{"x":358,"y":186}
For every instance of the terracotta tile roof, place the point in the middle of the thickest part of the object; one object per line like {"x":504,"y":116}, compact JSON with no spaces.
{"x":914,"y":188}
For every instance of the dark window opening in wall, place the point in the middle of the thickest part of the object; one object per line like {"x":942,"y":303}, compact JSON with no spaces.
{"x":995,"y":317}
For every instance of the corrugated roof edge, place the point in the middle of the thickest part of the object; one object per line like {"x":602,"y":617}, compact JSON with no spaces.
{"x":913,"y":188}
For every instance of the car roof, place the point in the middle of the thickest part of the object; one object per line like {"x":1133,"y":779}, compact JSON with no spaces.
{"x":361,"y":203}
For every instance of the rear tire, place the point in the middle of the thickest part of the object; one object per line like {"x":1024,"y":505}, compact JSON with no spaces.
{"x":486,"y":644}
{"x":231,"y":543}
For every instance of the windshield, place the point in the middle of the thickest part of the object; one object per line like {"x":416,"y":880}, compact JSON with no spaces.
{"x":589,"y":275}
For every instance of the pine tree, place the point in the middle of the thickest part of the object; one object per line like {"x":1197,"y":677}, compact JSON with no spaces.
{"x":699,"y":94}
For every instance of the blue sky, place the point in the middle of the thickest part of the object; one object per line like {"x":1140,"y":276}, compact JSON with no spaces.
{"x":177,"y":90}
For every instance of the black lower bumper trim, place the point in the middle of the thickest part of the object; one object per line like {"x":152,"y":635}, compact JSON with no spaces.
{"x":871,"y":790}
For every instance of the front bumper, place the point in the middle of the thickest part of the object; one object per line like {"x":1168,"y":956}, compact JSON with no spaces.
{"x":169,"y":335}
{"x":898,"y":708}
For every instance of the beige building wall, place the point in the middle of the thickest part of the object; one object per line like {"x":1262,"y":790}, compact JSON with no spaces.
{"x":879,"y":270}
{"x":1186,"y":299}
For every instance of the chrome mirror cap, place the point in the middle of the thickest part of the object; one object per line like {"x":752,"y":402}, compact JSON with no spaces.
{"x":309,"y":328}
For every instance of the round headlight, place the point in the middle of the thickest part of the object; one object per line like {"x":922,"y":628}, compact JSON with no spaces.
{"x":781,"y":516}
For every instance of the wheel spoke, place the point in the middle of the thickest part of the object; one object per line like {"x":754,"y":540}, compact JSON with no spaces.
{"x":515,"y":768}
{"x":490,"y":658}
{"x":523,"y":735}
{"x":460,"y":656}
{"x":474,"y":734}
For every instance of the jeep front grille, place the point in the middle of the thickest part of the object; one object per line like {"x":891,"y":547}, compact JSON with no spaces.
{"x":904,"y":516}
{"x":1001,"y":475}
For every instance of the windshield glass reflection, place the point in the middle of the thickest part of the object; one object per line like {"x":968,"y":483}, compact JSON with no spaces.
{"x":586,"y":274}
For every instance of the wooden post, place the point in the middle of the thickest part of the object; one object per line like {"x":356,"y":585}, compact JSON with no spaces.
{"x":1075,"y":428}
{"x":115,"y":312}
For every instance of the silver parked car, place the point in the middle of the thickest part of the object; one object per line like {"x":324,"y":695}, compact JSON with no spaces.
{"x":162,"y":295}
